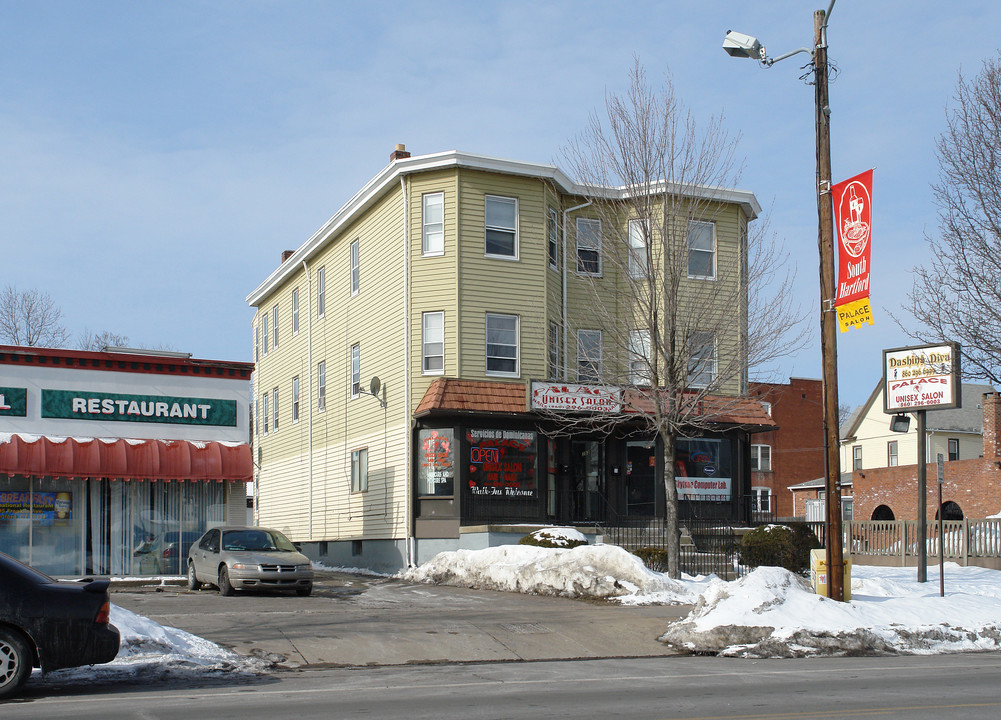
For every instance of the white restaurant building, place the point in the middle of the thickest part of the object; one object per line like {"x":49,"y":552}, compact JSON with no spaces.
{"x":112,"y":462}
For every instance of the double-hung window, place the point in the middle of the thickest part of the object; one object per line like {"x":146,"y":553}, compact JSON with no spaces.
{"x":264,"y":334}
{"x":553,"y":235}
{"x":702,"y":250}
{"x":433,"y":343}
{"x":639,"y":231}
{"x":501,"y":226}
{"x":892,"y":459}
{"x":257,"y":343}
{"x":588,"y":246}
{"x":264,"y":410}
{"x":321,"y":386}
{"x":359,"y":470}
{"x":762,"y":499}
{"x":953,"y":448}
{"x":761,"y":458}
{"x":321,"y":292}
{"x":640,"y":358}
{"x":274,"y":321}
{"x":701,"y":360}
{"x":355,"y":370}
{"x":856,"y":457}
{"x":275,"y":410}
{"x":354,"y":268}
{"x":589,"y":356}
{"x":295,"y":311}
{"x":502,"y":345}
{"x":433,"y":223}
{"x":554,"y":351}
{"x":295,"y":399}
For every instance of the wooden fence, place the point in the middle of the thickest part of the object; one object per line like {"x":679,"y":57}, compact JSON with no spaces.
{"x":962,"y":540}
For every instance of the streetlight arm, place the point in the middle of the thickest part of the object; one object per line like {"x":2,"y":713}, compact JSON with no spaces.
{"x":771,"y":61}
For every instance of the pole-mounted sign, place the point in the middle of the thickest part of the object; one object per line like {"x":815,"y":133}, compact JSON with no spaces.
{"x":852,"y":200}
{"x":919,"y":379}
{"x":926,"y":377}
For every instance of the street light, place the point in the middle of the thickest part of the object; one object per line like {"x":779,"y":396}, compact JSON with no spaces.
{"x":741,"y":45}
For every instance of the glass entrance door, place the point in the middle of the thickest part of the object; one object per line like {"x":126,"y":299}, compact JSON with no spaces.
{"x":588,"y":481}
{"x":641,"y":478}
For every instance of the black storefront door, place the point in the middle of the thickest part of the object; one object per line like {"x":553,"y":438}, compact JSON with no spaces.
{"x":587,"y":481}
{"x":641,"y":478}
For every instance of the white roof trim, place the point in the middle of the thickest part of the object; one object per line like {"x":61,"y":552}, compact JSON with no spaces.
{"x":374,"y":189}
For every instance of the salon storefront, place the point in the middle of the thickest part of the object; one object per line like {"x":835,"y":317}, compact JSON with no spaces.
{"x":113,"y":462}
{"x":485,"y":455}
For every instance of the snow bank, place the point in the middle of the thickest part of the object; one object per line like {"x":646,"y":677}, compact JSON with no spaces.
{"x":774,"y":613}
{"x":587,"y":571}
{"x":150,"y":650}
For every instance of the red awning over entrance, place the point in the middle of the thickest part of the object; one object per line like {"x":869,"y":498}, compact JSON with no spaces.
{"x":124,"y":459}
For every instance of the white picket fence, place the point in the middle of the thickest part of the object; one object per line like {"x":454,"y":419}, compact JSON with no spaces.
{"x":961,"y":539}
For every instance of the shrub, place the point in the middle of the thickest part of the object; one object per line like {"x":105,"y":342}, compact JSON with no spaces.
{"x":786,"y":546}
{"x":654,"y":558}
{"x":554,"y":538}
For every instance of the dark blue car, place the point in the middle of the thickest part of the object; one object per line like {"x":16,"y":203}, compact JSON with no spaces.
{"x":49,"y":624}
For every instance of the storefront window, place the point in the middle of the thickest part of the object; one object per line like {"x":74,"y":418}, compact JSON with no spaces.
{"x":102,"y":527}
{"x":40,"y":522}
{"x":502,"y":463}
{"x":436,"y":462}
{"x":702,"y":469}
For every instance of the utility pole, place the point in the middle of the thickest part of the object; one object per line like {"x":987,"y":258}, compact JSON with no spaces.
{"x":828,"y":317}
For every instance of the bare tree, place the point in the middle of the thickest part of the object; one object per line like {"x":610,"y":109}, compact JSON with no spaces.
{"x":957,"y":295}
{"x":30,"y":317}
{"x":664,"y":311}
{"x":98,"y":341}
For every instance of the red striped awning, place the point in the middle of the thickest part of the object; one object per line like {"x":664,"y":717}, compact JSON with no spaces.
{"x":124,"y":459}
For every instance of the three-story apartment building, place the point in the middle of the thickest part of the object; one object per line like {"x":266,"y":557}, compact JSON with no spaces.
{"x":398,"y":348}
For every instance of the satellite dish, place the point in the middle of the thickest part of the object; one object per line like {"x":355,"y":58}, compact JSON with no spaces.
{"x":375,"y":385}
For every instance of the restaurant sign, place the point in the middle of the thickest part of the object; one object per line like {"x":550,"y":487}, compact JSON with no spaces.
{"x":576,"y":398}
{"x":13,"y":402}
{"x":87,"y":405}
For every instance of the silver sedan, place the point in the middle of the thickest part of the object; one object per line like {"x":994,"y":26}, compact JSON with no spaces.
{"x":248,"y":558}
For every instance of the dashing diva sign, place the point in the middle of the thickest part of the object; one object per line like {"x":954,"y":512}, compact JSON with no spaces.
{"x":853,"y":219}
{"x":925,"y":377}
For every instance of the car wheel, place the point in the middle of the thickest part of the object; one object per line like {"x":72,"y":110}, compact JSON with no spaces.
{"x":224,"y":587}
{"x":193,"y":583}
{"x":15,"y":661}
{"x":304,"y":590}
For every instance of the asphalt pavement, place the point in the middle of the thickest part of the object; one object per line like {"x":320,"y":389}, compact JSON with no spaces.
{"x":353,"y":620}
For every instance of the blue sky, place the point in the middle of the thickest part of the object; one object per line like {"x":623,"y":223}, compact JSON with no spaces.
{"x":156,"y":157}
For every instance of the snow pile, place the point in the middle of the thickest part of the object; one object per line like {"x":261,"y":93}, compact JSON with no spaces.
{"x":774,"y":613}
{"x":771,"y":612}
{"x":560,"y":536}
{"x":150,"y":650}
{"x":587,"y":571}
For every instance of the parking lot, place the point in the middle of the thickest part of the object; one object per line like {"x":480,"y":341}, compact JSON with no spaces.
{"x":355,"y":620}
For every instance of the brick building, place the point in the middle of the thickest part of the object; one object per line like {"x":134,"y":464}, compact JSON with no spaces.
{"x":793,"y":453}
{"x":972,"y":488}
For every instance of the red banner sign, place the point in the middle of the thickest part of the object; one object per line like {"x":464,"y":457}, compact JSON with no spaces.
{"x":853,"y":219}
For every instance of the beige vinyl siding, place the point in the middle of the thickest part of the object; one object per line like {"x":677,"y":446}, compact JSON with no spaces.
{"x":697,"y":297}
{"x":374,"y":320}
{"x":494,"y":285}
{"x":434,"y":280}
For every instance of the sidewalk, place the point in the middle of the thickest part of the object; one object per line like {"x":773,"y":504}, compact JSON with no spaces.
{"x":352,"y":620}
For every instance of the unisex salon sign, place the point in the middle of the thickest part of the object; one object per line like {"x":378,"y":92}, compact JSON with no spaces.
{"x":86,"y":405}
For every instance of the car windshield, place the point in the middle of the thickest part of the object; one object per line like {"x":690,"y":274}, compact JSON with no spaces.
{"x":257,"y":540}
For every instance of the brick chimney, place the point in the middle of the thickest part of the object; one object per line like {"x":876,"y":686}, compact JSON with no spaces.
{"x":399,"y":153}
{"x":286,"y":254}
{"x":992,"y":424}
